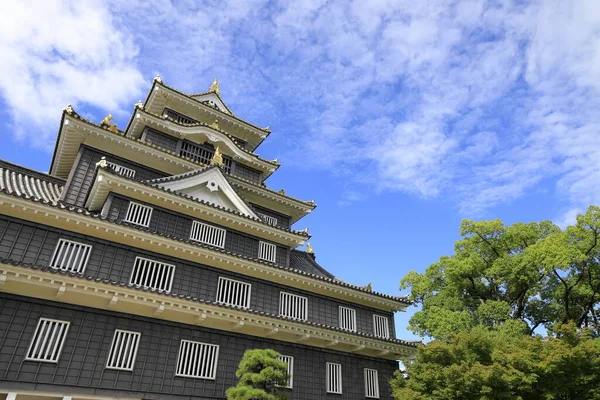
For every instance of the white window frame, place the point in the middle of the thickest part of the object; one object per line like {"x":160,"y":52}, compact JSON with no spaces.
{"x":268,"y":219}
{"x":371,"y":383}
{"x":334,"y":386}
{"x":187,"y":358}
{"x":210,"y":232}
{"x":267,"y":251}
{"x":143,"y":262}
{"x":231,"y":286}
{"x":347,"y":314}
{"x":131,"y":209}
{"x":382,"y":325}
{"x":53,"y":340}
{"x":121,"y":170}
{"x":77,"y":252}
{"x":289,"y":360}
{"x":129,"y":343}
{"x":287,"y":300}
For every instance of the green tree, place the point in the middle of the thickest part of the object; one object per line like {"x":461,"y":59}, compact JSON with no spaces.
{"x":260,"y":373}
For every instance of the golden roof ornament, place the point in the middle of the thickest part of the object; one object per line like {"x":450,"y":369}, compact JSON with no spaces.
{"x":217,"y":158}
{"x":108,"y":122}
{"x":282,"y":191}
{"x":309,"y":249}
{"x":215,"y":125}
{"x":139,"y":105}
{"x":102,"y":163}
{"x":368,"y":287}
{"x":157,"y":78}
{"x":214,"y":88}
{"x":68,"y":109}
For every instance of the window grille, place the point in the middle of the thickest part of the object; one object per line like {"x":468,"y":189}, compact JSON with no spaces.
{"x":48,"y":340}
{"x":70,"y":256}
{"x":196,"y":153}
{"x":289,"y":360}
{"x":293,"y":306}
{"x":152,"y":274}
{"x":234,"y":293}
{"x":197,"y":360}
{"x":371,"y":384}
{"x":380,"y":326}
{"x":268,"y":219}
{"x":208,"y":234}
{"x":138,"y":214}
{"x":183,"y":119}
{"x":348,"y":319}
{"x":123,"y":350}
{"x":267,"y":251}
{"x":334,"y":378}
{"x":121,"y":170}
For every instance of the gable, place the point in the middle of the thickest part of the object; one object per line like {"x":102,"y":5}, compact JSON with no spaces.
{"x":214,"y":100}
{"x":210,"y":186}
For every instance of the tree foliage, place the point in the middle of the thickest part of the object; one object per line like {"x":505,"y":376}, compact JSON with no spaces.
{"x":260,"y":373}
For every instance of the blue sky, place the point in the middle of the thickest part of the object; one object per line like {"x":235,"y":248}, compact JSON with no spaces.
{"x":400,"y":118}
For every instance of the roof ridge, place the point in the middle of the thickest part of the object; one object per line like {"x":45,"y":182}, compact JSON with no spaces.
{"x":45,"y":175}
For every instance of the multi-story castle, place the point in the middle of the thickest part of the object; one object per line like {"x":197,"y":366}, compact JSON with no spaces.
{"x":149,"y":259}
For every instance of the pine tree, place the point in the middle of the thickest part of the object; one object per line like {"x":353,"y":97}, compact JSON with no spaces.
{"x":261,"y":375}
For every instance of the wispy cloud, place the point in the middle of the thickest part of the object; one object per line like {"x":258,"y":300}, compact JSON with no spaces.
{"x":476,"y":101}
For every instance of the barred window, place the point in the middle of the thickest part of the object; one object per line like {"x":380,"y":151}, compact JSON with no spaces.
{"x":152,"y":274}
{"x":208,"y":234}
{"x":267,"y":251}
{"x":138,"y":214}
{"x":197,"y":360}
{"x":123,"y":350}
{"x":293,"y":306}
{"x":289,"y":360}
{"x":380,"y":326}
{"x":348,"y":319}
{"x":70,"y":256}
{"x":268,"y":219}
{"x":334,"y":378}
{"x":234,"y":293}
{"x":121,"y":170}
{"x":371,"y":384}
{"x":48,"y":340}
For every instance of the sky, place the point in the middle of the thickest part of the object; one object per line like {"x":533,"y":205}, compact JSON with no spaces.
{"x":400,"y":118}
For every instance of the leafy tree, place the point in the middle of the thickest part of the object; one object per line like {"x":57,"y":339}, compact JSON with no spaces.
{"x":260,"y":373}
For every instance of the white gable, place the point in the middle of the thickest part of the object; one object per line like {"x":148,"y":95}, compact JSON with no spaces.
{"x":213,"y":100}
{"x":212,"y":187}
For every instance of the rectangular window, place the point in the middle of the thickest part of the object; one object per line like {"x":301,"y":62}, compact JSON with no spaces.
{"x":208,"y":234}
{"x":268,"y":219}
{"x":348,"y":319}
{"x":289,"y":360}
{"x":267,"y":251}
{"x":371,"y":384}
{"x":70,"y":256}
{"x":380,"y":327}
{"x":334,"y":378}
{"x":152,"y":274}
{"x":48,"y":340}
{"x":121,"y":170}
{"x":123,"y":350}
{"x":233,"y":293}
{"x":293,"y":306}
{"x":138,"y":214}
{"x":197,"y":360}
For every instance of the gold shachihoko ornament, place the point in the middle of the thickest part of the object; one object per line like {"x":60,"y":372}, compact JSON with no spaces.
{"x":214,"y":88}
{"x":108,"y":122}
{"x":217,"y":158}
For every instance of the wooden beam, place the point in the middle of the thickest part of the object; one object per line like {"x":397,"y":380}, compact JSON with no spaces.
{"x":272,"y":332}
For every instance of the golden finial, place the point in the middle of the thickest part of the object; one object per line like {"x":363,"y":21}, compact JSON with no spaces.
{"x":215,"y":125}
{"x":282,"y":191}
{"x":217,"y":158}
{"x":102,"y":163}
{"x":309,"y":248}
{"x":139,"y":105}
{"x":368,"y":287}
{"x":157,"y":78}
{"x":108,"y":122}
{"x":214,"y":88}
{"x":68,"y":109}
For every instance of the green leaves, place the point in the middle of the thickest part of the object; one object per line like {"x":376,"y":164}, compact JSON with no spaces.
{"x":260,"y":373}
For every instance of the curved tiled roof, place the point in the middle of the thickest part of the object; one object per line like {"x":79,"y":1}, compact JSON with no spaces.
{"x":303,"y":261}
{"x":202,"y":301}
{"x":20,"y":180}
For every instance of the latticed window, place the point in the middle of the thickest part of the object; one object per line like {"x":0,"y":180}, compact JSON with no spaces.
{"x":197,"y":360}
{"x":293,"y":306}
{"x":268,"y":219}
{"x":371,"y":384}
{"x":267,"y":251}
{"x":289,"y":361}
{"x":70,"y":256}
{"x":138,"y":214}
{"x":121,"y":170}
{"x":48,"y":340}
{"x":234,"y":293}
{"x":334,"y":378}
{"x":208,"y":234}
{"x":196,"y":153}
{"x":348,"y":319}
{"x":152,"y":274}
{"x":183,"y":119}
{"x":123,"y":350}
{"x":380,"y":326}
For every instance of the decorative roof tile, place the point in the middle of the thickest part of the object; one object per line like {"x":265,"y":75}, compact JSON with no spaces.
{"x":23,"y":181}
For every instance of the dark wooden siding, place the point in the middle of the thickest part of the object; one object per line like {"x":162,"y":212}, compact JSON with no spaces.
{"x":283,"y":221}
{"x":81,"y":363}
{"x":160,"y":139}
{"x":25,"y":242}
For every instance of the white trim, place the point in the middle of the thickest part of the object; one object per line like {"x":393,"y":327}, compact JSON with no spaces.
{"x":233,"y":292}
{"x":191,"y":358}
{"x":123,"y":359}
{"x":293,"y":306}
{"x":44,"y":341}
{"x":138,"y":214}
{"x":208,"y":234}
{"x":289,"y":360}
{"x":267,"y":251}
{"x":70,"y":256}
{"x":381,"y":326}
{"x":371,"y":383}
{"x":121,"y":170}
{"x":334,"y":378}
{"x":347,"y":318}
{"x":152,"y":274}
